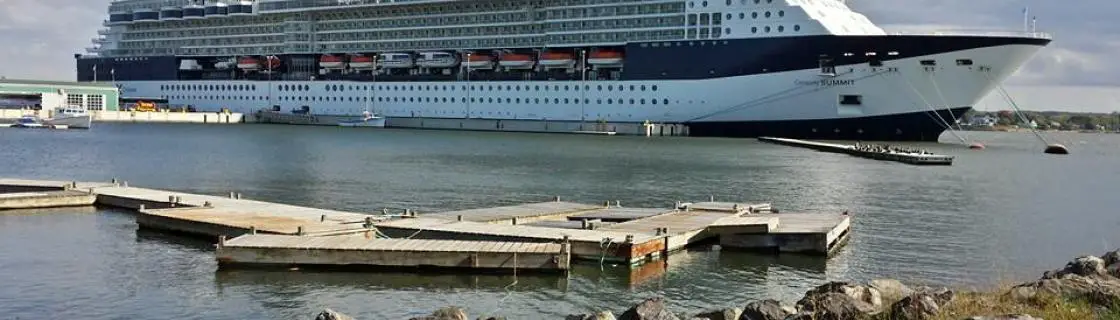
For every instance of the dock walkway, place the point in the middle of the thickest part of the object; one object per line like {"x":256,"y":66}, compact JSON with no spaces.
{"x":904,"y":157}
{"x":258,"y":233}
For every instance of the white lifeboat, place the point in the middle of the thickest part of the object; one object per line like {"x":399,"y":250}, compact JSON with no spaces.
{"x":557,"y":60}
{"x":396,"y":60}
{"x":328,"y":61}
{"x":224,"y":64}
{"x":248,"y":63}
{"x":189,"y":65}
{"x":478,"y":61}
{"x":605,"y":58}
{"x":516,"y":61}
{"x":361,"y":62}
{"x":437,"y":59}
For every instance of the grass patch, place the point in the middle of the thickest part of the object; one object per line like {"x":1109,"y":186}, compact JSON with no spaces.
{"x":1049,"y":307}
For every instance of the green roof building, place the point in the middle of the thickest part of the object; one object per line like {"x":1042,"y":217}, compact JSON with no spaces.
{"x":52,"y":94}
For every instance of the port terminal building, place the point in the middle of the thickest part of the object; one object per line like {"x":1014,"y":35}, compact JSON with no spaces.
{"x":47,"y":95}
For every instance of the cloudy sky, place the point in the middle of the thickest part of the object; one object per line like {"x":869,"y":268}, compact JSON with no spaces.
{"x":40,"y":36}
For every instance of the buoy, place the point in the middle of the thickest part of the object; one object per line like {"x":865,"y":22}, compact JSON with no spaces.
{"x":976,"y":146}
{"x":1056,"y":149}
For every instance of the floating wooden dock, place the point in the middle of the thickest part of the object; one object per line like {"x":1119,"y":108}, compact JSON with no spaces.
{"x":261,"y":250}
{"x":543,"y":236}
{"x":46,"y":199}
{"x":904,"y":157}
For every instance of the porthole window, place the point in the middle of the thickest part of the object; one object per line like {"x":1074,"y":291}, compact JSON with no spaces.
{"x":653,"y":101}
{"x":664,"y":101}
{"x":631,"y":101}
{"x":742,"y":16}
{"x":754,"y":29}
{"x":727,"y":31}
{"x":704,"y":4}
{"x":655,"y":87}
{"x":781,"y":28}
{"x":643,"y":87}
{"x":610,"y":88}
{"x":767,"y":14}
{"x":796,"y":27}
{"x":728,"y":16}
{"x":781,"y":13}
{"x":691,"y":4}
{"x":767,"y":29}
{"x":729,"y":2}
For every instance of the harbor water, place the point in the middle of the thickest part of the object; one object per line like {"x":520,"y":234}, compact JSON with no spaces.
{"x":1004,"y":213}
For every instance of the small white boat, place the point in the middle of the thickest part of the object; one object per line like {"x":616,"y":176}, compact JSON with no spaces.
{"x":71,"y":117}
{"x":368,"y":120}
{"x":33,"y":122}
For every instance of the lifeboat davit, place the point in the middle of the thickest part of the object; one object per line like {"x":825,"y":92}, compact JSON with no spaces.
{"x":328,"y":61}
{"x":478,"y":61}
{"x":516,"y":61}
{"x":437,"y":59}
{"x":605,"y":58}
{"x":557,"y":59}
{"x":272,"y":62}
{"x":248,"y":63}
{"x":358,"y":61}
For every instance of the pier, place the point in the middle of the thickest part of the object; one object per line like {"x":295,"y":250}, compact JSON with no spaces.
{"x":884,"y":154}
{"x":532,"y":237}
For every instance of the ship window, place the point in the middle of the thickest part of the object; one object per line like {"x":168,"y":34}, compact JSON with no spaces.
{"x":767,"y":14}
{"x":631,"y":101}
{"x":729,"y":2}
{"x":609,"y":101}
{"x":653,"y":101}
{"x":928,"y":62}
{"x":665,"y":101}
{"x":797,"y":27}
{"x":729,"y":15}
{"x":754,"y":29}
{"x":704,"y":4}
{"x":964,"y":62}
{"x":781,"y":13}
{"x":851,"y":100}
{"x":767,"y":29}
{"x":327,"y":87}
{"x":781,"y":28}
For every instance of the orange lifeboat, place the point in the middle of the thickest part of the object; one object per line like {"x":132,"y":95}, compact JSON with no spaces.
{"x":478,"y":61}
{"x":516,"y":61}
{"x":358,"y":61}
{"x":557,"y":59}
{"x":248,"y":63}
{"x":605,"y":58}
{"x":328,"y":61}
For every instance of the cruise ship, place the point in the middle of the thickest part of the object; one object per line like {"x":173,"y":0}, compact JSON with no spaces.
{"x":811,"y":69}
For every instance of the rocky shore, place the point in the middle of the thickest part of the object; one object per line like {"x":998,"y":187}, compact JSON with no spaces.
{"x":1086,"y":288}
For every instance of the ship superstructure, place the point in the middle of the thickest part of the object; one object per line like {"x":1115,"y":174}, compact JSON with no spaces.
{"x":793,"y":68}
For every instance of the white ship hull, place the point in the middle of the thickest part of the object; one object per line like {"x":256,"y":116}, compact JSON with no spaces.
{"x":899,"y":87}
{"x":73,"y":122}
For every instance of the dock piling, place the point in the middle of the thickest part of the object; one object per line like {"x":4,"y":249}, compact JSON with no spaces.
{"x":238,"y":196}
{"x":460,"y":217}
{"x":221,"y":241}
{"x":252,"y":229}
{"x":557,"y":199}
{"x":299,"y":230}
{"x":232,"y":195}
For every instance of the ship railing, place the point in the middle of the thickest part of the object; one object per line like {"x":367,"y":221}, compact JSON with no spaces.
{"x":982,"y":33}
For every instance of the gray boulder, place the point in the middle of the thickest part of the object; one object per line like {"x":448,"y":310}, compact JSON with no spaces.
{"x":891,"y":290}
{"x":329,"y":314}
{"x":650,"y":309}
{"x":865,"y":299}
{"x":602,"y":315}
{"x":1098,"y":291}
{"x":1086,"y":266}
{"x":921,"y":305}
{"x":766,"y":310}
{"x":1111,"y":258}
{"x":830,"y":306}
{"x":725,"y":314}
{"x":446,"y":313}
